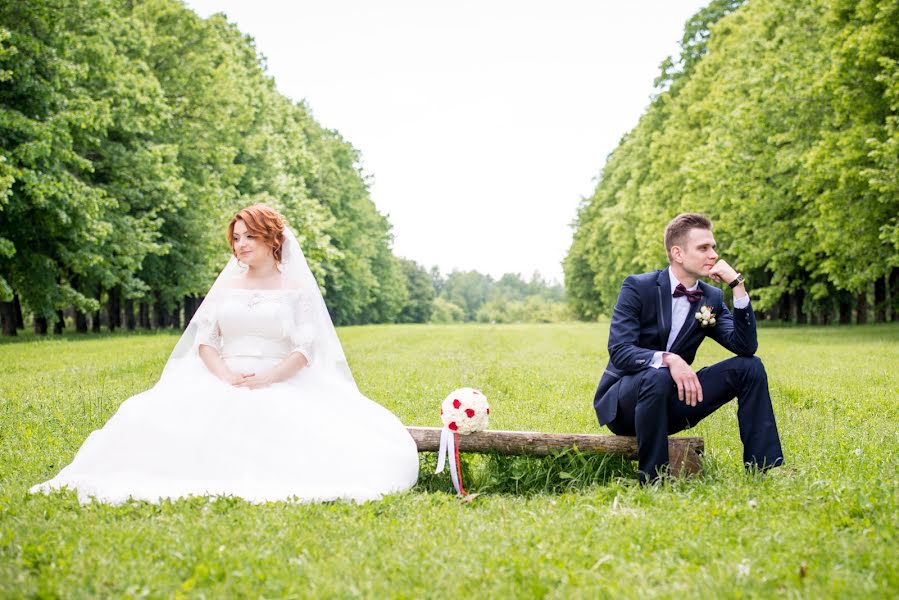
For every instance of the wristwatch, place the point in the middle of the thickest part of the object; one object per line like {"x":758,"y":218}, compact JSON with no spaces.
{"x":736,"y":281}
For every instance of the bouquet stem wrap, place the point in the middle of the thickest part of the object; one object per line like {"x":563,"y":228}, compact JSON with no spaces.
{"x":449,"y":448}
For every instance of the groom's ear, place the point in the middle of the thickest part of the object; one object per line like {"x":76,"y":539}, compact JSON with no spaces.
{"x":676,"y":255}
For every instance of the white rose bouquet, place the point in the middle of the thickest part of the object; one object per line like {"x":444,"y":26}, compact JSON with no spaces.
{"x":463,"y":412}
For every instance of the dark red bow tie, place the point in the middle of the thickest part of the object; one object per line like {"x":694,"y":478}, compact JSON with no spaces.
{"x":692,"y":295}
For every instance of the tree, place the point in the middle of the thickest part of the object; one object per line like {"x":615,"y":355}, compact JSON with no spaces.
{"x":52,"y":228}
{"x":130,"y":134}
{"x":447,"y":312}
{"x":468,"y":290}
{"x":777,"y":125}
{"x":420,"y":303}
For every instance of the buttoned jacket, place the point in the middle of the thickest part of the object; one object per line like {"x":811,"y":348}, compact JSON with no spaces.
{"x":641,"y":323}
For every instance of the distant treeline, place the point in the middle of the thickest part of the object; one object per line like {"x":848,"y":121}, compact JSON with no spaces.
{"x":780,"y":121}
{"x":130,"y":133}
{"x":464,"y":296}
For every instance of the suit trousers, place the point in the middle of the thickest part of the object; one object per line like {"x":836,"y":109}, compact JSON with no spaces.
{"x":648,"y":407}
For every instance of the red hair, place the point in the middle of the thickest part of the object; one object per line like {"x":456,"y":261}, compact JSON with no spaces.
{"x":264,"y":222}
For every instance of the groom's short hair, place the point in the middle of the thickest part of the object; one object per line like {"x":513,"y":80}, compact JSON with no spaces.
{"x":677,"y":229}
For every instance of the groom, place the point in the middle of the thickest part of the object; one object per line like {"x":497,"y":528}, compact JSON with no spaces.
{"x":649,"y":389}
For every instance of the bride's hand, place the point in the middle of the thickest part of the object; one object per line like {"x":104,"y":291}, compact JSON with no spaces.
{"x":237,"y":379}
{"x":255,"y":381}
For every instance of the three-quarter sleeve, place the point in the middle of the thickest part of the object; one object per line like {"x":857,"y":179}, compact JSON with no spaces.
{"x":302,"y":334}
{"x":209,"y":334}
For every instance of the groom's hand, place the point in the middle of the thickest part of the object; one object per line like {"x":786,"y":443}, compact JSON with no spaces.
{"x":689,"y":390}
{"x":722,"y":272}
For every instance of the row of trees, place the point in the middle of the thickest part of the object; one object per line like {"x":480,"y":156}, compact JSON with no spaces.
{"x":471,"y":296}
{"x":780,"y":121}
{"x":130,"y":132}
{"x":468,"y":296}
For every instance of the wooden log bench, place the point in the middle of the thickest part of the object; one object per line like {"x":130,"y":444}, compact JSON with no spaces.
{"x":683,"y":452}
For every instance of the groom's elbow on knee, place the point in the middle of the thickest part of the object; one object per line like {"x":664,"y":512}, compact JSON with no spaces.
{"x":749,"y":349}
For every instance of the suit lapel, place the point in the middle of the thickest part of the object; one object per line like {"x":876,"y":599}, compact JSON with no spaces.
{"x":690,"y":324}
{"x":663,"y":311}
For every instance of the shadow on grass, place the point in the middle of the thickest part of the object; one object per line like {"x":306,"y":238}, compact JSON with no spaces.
{"x":564,"y":472}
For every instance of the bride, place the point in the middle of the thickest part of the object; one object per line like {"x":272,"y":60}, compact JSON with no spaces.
{"x":256,"y":400}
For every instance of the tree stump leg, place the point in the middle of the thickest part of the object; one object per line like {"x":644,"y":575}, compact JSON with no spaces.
{"x":684,"y":459}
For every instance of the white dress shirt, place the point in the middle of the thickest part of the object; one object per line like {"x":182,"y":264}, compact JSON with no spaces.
{"x":680,"y":312}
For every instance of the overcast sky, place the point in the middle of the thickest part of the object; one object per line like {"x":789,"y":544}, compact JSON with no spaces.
{"x":482,"y":124}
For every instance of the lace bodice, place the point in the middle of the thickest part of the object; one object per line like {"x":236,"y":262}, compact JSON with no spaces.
{"x":260,"y":323}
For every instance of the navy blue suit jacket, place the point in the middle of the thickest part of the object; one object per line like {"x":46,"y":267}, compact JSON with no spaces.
{"x":641,"y":322}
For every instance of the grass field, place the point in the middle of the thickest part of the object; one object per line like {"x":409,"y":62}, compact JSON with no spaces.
{"x":563,"y":527}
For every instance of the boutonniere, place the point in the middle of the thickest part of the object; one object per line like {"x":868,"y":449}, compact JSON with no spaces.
{"x":705,"y":316}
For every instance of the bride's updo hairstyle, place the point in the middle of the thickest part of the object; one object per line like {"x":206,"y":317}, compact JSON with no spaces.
{"x":264,"y":222}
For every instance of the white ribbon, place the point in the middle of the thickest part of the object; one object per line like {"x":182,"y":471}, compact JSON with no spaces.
{"x":448,"y":449}
{"x":441,"y":453}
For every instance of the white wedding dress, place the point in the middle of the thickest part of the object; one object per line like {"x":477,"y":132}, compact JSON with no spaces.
{"x":310,"y":438}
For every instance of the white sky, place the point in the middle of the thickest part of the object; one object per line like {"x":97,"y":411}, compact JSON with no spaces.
{"x":484,"y":123}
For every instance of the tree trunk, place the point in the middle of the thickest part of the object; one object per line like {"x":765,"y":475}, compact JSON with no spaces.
{"x":159,"y":313}
{"x":892,"y":294}
{"x":80,"y":321}
{"x":805,"y":313}
{"x":872,"y":305}
{"x":176,"y":317}
{"x":861,"y":309}
{"x":144,"y":315}
{"x":683,"y":451}
{"x":130,"y":320}
{"x":825,"y":312}
{"x":880,"y":300}
{"x":40,"y":325}
{"x":795,"y":312}
{"x":60,"y":323}
{"x":8,"y":318}
{"x":779,"y":309}
{"x":114,"y":308}
{"x":96,"y":321}
{"x":845,"y":308}
{"x":20,"y":322}
{"x":191,"y":304}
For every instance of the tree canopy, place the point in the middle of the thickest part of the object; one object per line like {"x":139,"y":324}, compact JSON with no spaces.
{"x":129,"y":135}
{"x":779,"y":121}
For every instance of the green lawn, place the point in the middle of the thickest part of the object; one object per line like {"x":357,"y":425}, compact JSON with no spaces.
{"x":570,"y":526}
